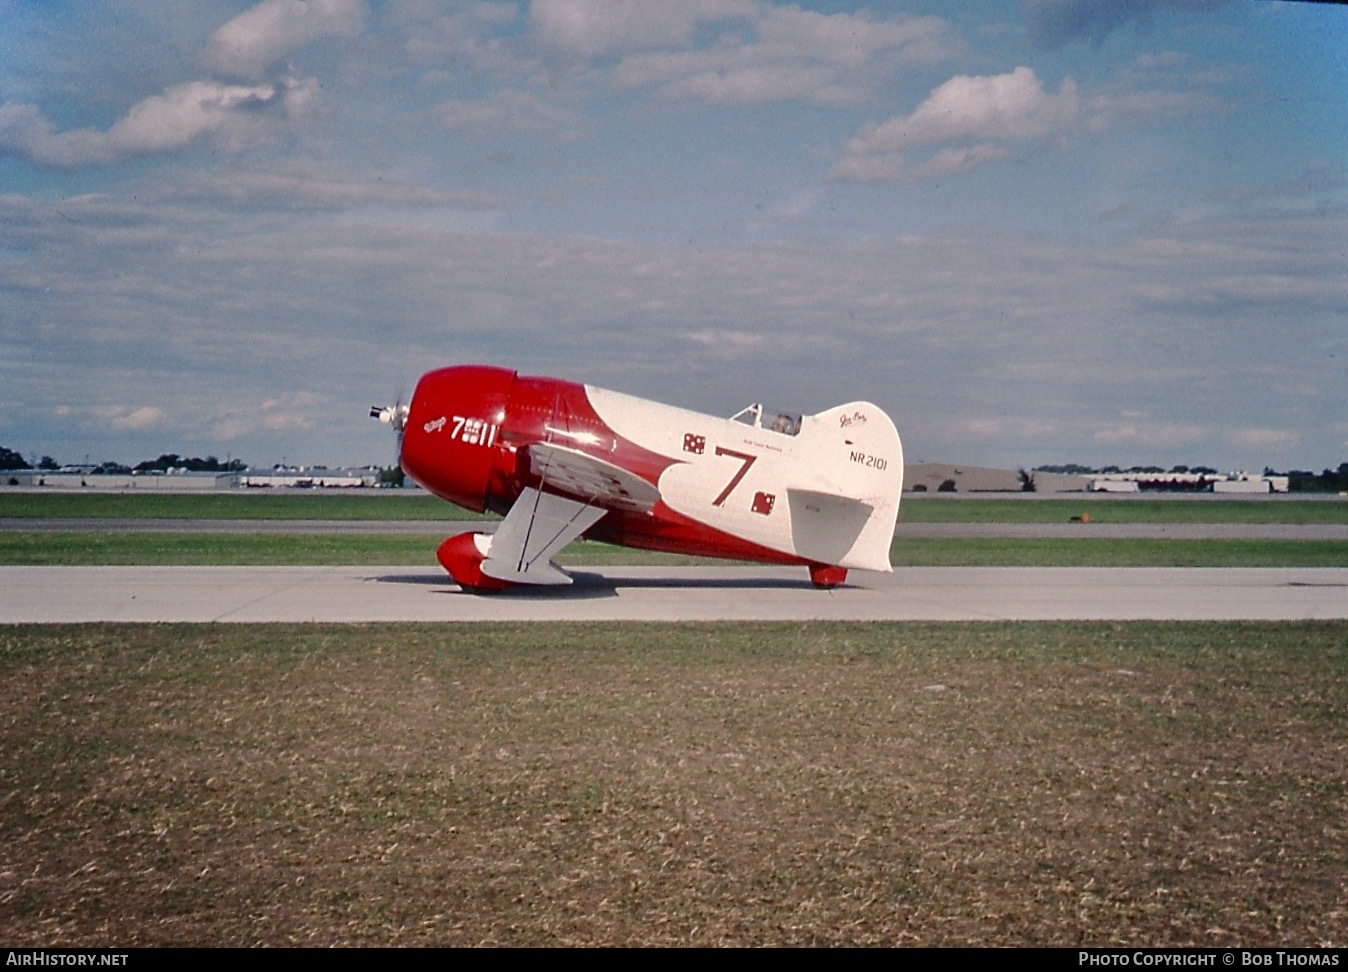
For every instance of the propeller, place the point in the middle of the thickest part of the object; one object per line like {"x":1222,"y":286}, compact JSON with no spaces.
{"x":394,"y":416}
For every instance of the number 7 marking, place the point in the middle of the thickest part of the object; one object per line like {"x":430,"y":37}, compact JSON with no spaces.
{"x":748,"y":461}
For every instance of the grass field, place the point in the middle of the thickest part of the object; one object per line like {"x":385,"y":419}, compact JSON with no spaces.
{"x":817,"y":784}
{"x":163,"y":548}
{"x":37,"y":548}
{"x":1273,"y":509}
{"x":268,"y":505}
{"x":390,"y":505}
{"x":1058,"y":784}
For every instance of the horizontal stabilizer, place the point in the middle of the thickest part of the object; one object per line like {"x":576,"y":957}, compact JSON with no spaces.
{"x":828,"y":528}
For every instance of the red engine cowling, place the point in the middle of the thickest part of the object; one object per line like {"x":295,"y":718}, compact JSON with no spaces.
{"x":452,"y":438}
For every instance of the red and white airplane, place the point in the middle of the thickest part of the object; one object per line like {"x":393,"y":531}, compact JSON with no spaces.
{"x":561,"y":460}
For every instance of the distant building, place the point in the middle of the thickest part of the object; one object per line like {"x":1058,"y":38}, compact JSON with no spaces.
{"x":163,"y":482}
{"x":1108,"y":485}
{"x":1188,"y":482}
{"x":317,"y":477}
{"x":1050,"y":482}
{"x":940,"y":477}
{"x":178,"y":480}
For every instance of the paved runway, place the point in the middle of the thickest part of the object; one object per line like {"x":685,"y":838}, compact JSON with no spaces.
{"x":368,"y":594}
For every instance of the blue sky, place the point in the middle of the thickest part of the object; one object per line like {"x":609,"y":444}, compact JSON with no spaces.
{"x":1034,"y":232}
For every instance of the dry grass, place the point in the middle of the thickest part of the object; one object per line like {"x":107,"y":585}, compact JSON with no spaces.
{"x":698,"y":784}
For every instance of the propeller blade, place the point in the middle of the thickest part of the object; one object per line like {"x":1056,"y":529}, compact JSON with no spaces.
{"x":394,"y":416}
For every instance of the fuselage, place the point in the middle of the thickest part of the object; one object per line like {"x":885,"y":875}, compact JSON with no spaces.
{"x":819,"y":490}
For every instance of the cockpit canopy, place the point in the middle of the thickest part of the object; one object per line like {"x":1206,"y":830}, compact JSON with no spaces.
{"x":772,"y":419}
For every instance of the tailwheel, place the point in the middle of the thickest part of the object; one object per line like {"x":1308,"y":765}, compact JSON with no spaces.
{"x":826,"y":577}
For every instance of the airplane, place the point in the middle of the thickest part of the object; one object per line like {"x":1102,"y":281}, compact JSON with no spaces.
{"x":561,"y":461}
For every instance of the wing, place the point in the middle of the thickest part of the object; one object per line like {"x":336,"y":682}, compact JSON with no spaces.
{"x":579,"y":490}
{"x":537,"y":527}
{"x":594,"y":480}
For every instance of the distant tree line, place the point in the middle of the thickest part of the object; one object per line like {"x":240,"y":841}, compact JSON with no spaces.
{"x":1074,"y":469}
{"x":1329,"y":481}
{"x":11,"y":460}
{"x":173,"y":461}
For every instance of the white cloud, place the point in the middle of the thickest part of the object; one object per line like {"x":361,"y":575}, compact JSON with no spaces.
{"x":978,"y":120}
{"x":308,"y":187}
{"x":725,"y":341}
{"x":853,"y":40}
{"x":228,"y":117}
{"x":241,"y":325}
{"x":950,"y":161}
{"x":1005,"y":107}
{"x":794,"y":54}
{"x":754,"y":84}
{"x":1111,"y":111}
{"x":509,"y":109}
{"x":258,"y":39}
{"x":477,"y":37}
{"x":293,"y":412}
{"x":1162,"y":61}
{"x":1156,"y":435}
{"x":1264,"y":440}
{"x":1008,"y":428}
{"x":589,"y":28}
{"x":118,"y":418}
{"x":126,"y":419}
{"x":1012,"y":106}
{"x":735,"y":52}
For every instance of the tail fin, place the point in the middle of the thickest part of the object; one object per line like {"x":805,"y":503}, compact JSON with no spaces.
{"x":845,"y":512}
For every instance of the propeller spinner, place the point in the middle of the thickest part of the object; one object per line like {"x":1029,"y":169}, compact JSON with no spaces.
{"x":394,"y":415}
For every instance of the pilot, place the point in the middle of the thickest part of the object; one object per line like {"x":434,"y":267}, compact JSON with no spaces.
{"x":783,"y":423}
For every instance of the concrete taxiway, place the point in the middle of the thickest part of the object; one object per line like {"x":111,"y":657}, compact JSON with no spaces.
{"x":372,"y":594}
